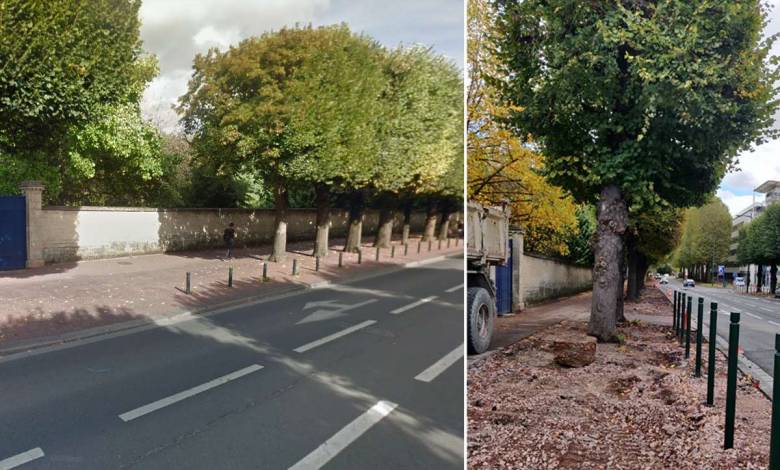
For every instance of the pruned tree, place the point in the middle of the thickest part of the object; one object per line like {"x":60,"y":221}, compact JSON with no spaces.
{"x":634,"y":102}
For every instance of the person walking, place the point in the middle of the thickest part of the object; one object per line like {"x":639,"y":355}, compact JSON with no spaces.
{"x":230,"y":239}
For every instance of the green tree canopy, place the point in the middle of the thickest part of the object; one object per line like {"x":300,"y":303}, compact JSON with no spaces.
{"x":635,"y":102}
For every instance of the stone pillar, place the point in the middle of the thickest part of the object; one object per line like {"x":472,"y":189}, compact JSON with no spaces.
{"x":33,"y":192}
{"x":518,"y":302}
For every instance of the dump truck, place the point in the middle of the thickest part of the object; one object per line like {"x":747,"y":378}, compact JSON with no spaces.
{"x":487,"y":245}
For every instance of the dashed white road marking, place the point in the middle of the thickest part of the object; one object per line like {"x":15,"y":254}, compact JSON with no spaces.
{"x":455,"y":288}
{"x":154,"y":406}
{"x":773,"y":323}
{"x":21,"y":459}
{"x":346,"y":436}
{"x":413,"y":305}
{"x":753,"y":315}
{"x":441,"y":365}
{"x":329,"y":338}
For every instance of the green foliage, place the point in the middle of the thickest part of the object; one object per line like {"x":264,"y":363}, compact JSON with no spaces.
{"x":63,"y":61}
{"x":654,"y":97}
{"x":759,"y":241}
{"x":706,"y":235}
{"x":579,"y":242}
{"x":657,"y":232}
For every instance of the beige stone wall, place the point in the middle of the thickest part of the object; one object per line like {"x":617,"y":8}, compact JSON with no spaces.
{"x":72,"y":233}
{"x":544,"y":278}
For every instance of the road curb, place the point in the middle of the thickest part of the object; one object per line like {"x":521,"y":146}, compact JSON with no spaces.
{"x":95,"y":334}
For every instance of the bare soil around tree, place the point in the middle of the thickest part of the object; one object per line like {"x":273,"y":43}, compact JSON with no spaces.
{"x":637,"y":405}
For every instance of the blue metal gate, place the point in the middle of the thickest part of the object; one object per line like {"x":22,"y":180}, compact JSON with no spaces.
{"x":13,"y":233}
{"x":504,"y":285}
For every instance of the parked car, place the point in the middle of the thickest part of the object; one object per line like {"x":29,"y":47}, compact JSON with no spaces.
{"x":689,"y":283}
{"x":739,"y":281}
{"x":777,"y":293}
{"x":664,"y":280}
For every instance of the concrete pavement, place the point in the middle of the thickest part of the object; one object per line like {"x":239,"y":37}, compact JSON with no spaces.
{"x":239,"y":390}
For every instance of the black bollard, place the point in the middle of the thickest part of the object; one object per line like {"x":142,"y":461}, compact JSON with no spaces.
{"x":188,"y":284}
{"x":731,"y":381}
{"x":774,"y":439}
{"x":688,"y":328}
{"x":674,"y":312}
{"x":230,"y":276}
{"x":316,"y":263}
{"x":681,"y":328}
{"x":419,"y":246}
{"x":711,"y":355}
{"x":265,"y":272}
{"x":295,"y":267}
{"x":341,"y":259}
{"x":360,"y":256}
{"x":699,"y":322}
{"x":377,"y":254}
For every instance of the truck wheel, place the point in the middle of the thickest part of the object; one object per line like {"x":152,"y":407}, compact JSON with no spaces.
{"x":481,"y":314}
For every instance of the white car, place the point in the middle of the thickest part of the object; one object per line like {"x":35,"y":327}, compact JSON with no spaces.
{"x":739,"y":281}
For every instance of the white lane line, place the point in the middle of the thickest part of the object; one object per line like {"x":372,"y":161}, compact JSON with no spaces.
{"x":773,"y":323}
{"x":346,"y":436}
{"x":412,"y":305}
{"x":754,"y":316}
{"x":21,"y":459}
{"x":330,"y":338}
{"x":154,"y":406}
{"x":441,"y":365}
{"x":453,"y":289}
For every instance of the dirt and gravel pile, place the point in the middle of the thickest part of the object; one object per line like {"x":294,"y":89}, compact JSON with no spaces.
{"x":637,"y":405}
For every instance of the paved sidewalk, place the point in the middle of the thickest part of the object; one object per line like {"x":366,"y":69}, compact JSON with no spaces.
{"x":48,"y":303}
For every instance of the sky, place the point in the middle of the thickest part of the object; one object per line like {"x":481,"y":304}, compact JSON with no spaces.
{"x":736,"y":189}
{"x":176,"y":30}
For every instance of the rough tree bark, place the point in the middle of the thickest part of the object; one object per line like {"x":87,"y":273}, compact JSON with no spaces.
{"x":356,"y":208}
{"x":759,"y":277}
{"x":407,"y":223}
{"x":384,"y":230}
{"x":612,"y":220}
{"x":773,"y":278}
{"x":281,"y":204}
{"x":430,"y":223}
{"x":322,"y":194}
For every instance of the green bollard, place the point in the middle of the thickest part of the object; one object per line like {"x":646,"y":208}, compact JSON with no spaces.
{"x":360,"y":256}
{"x":688,"y":328}
{"x":674,"y":312}
{"x":341,"y":263}
{"x":439,"y":248}
{"x":774,"y":442}
{"x":392,"y":251}
{"x":681,"y":326}
{"x":265,"y":271}
{"x":230,"y":276}
{"x":419,"y":246}
{"x":731,"y":381}
{"x":188,"y":284}
{"x":711,"y":356}
{"x":430,"y":244}
{"x":377,"y":254}
{"x":316,"y":263}
{"x":406,"y":249}
{"x":295,"y":267}
{"x":699,"y":322}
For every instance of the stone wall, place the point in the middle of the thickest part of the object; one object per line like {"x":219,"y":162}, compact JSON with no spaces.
{"x":73,"y":233}
{"x":544,"y":278}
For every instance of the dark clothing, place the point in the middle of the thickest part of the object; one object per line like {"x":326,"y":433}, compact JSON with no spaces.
{"x":230,"y":239}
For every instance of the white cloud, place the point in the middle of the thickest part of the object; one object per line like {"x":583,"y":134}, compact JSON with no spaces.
{"x":755,"y":167}
{"x":737,"y":203}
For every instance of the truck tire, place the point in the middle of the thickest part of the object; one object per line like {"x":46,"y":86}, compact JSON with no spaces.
{"x":481,"y":316}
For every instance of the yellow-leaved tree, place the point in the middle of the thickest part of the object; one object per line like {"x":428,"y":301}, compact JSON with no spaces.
{"x":501,"y":168}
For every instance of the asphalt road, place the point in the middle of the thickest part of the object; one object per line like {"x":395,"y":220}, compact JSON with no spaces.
{"x":357,"y":376}
{"x":759,"y":319}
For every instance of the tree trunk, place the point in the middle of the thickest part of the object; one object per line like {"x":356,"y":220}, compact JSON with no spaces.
{"x":632,"y":292}
{"x":430,"y":224}
{"x":407,"y":223}
{"x":281,"y":204}
{"x":773,"y":279}
{"x":444,"y":225}
{"x":612,"y":219}
{"x":323,"y":220}
{"x":384,"y":234}
{"x":355,"y":234}
{"x":641,"y":274}
{"x":759,"y":277}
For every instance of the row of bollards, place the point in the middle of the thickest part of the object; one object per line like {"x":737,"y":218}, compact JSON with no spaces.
{"x":681,"y":328}
{"x":296,"y":271}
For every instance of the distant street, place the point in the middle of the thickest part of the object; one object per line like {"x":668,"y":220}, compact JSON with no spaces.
{"x":759,"y":322}
{"x":366,"y":375}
